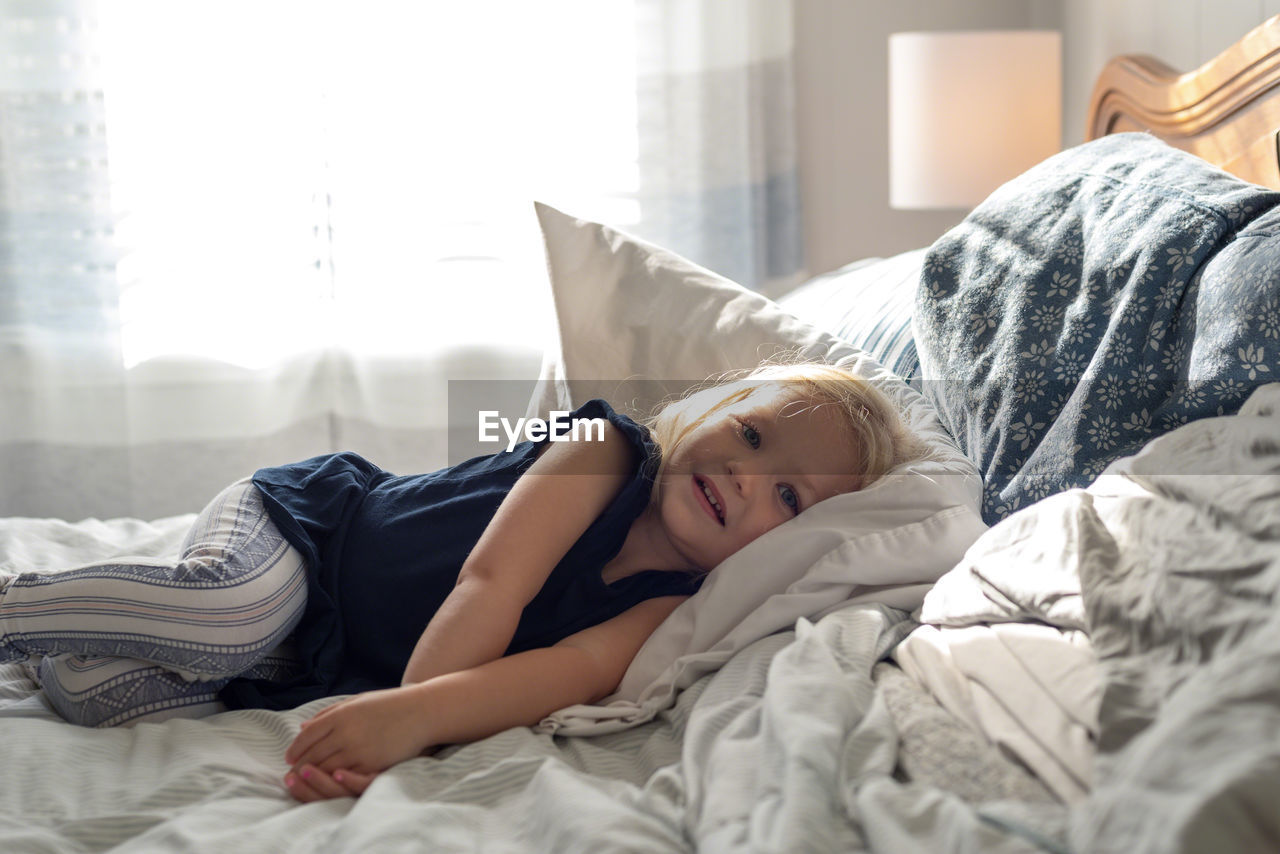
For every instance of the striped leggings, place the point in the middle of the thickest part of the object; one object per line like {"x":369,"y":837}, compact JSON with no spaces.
{"x":133,"y":640}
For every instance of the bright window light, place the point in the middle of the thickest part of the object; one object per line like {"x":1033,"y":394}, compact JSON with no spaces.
{"x":296,"y":176}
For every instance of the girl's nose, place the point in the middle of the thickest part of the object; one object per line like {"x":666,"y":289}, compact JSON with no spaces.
{"x":745,"y":479}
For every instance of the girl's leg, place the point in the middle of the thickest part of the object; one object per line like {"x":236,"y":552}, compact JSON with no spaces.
{"x":102,"y":692}
{"x":111,"y":691}
{"x":238,"y":589}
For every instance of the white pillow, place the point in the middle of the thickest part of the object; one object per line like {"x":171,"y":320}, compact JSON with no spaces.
{"x":638,"y":323}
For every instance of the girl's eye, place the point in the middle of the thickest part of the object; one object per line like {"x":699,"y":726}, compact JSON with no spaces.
{"x":751,"y":435}
{"x":789,"y":498}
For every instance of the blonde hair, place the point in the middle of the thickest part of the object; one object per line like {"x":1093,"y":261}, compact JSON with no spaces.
{"x":875,"y":425}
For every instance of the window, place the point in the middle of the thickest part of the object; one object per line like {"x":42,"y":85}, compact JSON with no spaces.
{"x":290,"y":176}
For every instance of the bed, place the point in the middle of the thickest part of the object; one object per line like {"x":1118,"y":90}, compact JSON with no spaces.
{"x":1057,"y":632}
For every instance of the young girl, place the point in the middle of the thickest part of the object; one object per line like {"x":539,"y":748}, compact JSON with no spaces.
{"x":452,"y":605}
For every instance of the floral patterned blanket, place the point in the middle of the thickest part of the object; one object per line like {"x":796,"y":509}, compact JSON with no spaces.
{"x":1107,"y":296}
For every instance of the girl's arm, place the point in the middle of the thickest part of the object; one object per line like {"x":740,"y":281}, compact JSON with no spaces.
{"x":547,"y":510}
{"x":372,"y":731}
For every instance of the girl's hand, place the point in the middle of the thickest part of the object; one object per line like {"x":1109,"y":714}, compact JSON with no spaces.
{"x":309,"y":784}
{"x":366,"y":733}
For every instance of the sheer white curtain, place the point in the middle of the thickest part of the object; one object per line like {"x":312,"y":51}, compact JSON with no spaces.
{"x":239,"y":233}
{"x":717,"y":154}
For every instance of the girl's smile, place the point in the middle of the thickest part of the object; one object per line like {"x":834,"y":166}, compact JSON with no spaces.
{"x":710,"y":498}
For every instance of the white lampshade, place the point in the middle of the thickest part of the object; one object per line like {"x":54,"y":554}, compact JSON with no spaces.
{"x":968,"y":111}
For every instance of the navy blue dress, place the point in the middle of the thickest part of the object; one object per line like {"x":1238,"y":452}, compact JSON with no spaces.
{"x":384,"y":551}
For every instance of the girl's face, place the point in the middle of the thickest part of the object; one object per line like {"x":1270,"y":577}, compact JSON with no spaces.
{"x":749,"y":467}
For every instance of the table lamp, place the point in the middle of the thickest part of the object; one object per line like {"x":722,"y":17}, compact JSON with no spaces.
{"x":969,"y":111}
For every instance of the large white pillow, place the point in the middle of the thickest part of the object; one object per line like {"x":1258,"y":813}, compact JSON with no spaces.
{"x":638,"y":323}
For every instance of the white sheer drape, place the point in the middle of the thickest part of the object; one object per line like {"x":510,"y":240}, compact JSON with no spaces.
{"x":717,"y":155}
{"x":234,"y":234}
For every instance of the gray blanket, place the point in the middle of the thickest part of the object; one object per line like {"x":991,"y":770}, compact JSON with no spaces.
{"x":1182,"y":590}
{"x":1171,"y":561}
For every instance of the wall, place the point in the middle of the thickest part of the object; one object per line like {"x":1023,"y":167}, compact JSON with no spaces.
{"x":842,"y":93}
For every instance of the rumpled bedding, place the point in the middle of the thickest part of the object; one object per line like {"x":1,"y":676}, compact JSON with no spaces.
{"x":790,"y":746}
{"x":1182,"y":603}
{"x":1032,"y":690}
{"x":1114,"y":293}
{"x":1171,"y":562}
{"x":1005,"y":645}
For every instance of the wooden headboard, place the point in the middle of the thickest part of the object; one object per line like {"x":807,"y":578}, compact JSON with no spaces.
{"x":1227,"y":111}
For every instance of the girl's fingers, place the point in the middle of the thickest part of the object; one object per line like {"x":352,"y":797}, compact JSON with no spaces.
{"x":310,"y":732}
{"x":306,"y":739}
{"x":353,"y":781}
{"x":327,"y":754}
{"x":309,"y":784}
{"x":319,"y":716}
{"x":335,"y":761}
{"x":301,"y":788}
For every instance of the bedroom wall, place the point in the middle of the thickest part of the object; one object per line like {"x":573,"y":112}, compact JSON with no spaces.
{"x":842,"y":93}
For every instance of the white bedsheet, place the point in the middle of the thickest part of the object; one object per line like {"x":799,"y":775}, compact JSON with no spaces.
{"x":787,"y":748}
{"x":1169,"y":560}
{"x":1004,"y":646}
{"x":1032,"y":689}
